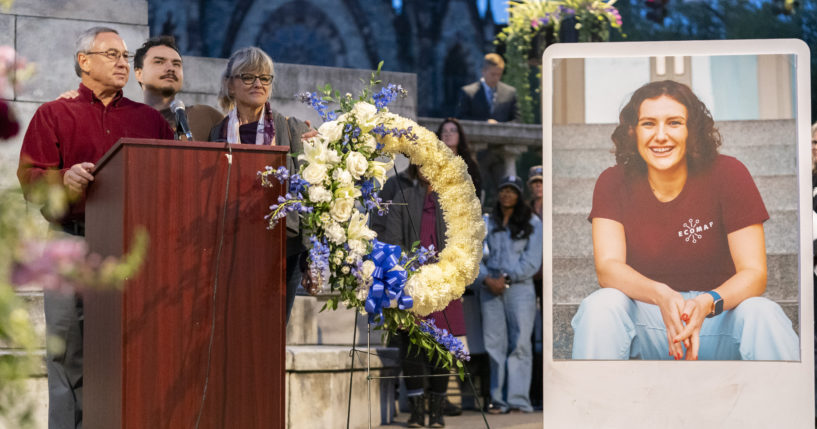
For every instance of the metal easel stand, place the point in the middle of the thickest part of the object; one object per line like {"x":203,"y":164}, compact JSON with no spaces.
{"x":370,"y":378}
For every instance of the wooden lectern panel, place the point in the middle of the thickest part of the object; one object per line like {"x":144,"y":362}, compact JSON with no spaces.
{"x":147,"y":347}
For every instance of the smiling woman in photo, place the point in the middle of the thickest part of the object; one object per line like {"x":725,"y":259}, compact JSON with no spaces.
{"x":678,"y":244}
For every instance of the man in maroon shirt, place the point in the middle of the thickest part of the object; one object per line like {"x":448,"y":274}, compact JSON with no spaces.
{"x":63,"y":141}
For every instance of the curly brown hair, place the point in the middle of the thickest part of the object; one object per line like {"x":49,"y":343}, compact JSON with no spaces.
{"x":703,"y":138}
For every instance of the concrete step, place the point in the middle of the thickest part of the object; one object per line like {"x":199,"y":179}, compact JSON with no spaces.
{"x":575,"y":278}
{"x":572,"y":234}
{"x":563,"y":332}
{"x":767,"y":160}
{"x":575,"y":195}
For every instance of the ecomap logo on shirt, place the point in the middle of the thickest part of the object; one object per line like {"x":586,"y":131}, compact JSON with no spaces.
{"x":694,"y":229}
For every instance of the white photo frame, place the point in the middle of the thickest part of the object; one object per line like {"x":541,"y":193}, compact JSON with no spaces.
{"x":668,"y":394}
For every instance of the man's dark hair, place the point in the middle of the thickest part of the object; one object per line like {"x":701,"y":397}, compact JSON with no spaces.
{"x":703,"y":138}
{"x":139,"y":56}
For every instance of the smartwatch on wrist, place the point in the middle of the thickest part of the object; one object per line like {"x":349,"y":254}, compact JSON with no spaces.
{"x":717,"y":304}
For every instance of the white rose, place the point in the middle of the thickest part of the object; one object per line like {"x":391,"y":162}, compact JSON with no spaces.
{"x":366,"y":115}
{"x":358,"y":230}
{"x":366,"y":269}
{"x":331,"y":131}
{"x":345,"y":269}
{"x":357,"y":164}
{"x":341,"y":209}
{"x":319,"y":194}
{"x":314,"y":173}
{"x":335,"y":233}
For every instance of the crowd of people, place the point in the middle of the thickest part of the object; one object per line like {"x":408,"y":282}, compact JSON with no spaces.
{"x":67,"y":136}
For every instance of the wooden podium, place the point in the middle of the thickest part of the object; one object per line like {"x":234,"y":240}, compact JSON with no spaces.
{"x":147,"y":348}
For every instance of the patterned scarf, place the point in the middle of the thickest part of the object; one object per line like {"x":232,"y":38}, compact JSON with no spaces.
{"x":265,"y":133}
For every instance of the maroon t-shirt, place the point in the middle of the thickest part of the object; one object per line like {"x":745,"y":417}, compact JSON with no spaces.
{"x":683,"y":242}
{"x":65,"y":132}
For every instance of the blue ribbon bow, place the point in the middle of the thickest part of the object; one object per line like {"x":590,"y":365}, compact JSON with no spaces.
{"x":388,"y":284}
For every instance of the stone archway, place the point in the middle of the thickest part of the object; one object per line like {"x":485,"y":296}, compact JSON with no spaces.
{"x":300,"y":33}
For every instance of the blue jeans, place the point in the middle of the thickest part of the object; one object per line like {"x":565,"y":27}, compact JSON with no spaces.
{"x":610,"y":325}
{"x":507,"y":324}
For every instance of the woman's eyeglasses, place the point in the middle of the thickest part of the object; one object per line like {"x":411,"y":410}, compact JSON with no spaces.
{"x":249,"y":79}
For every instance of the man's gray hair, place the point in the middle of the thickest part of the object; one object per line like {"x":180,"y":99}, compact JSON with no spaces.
{"x":85,"y":42}
{"x":252,"y":60}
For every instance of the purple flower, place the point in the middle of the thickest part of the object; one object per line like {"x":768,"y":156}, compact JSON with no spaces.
{"x":445,"y":339}
{"x":50,"y":263}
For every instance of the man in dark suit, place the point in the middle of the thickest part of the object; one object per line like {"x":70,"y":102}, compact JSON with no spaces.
{"x":489,"y":99}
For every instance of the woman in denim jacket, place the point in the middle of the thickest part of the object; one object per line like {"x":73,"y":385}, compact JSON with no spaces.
{"x":513,"y":254}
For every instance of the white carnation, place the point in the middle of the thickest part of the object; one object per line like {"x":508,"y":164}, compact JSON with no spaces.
{"x":357,"y":247}
{"x":319,"y":194}
{"x":343,"y":177}
{"x":335,"y":233}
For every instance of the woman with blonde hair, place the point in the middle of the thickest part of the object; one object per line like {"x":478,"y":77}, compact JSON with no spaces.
{"x":246,"y":86}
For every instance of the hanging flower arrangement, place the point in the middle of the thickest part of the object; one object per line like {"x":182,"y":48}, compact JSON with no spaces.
{"x":535,"y":24}
{"x":342,"y":169}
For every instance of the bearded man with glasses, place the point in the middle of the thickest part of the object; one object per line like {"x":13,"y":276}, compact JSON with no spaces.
{"x":63,"y":141}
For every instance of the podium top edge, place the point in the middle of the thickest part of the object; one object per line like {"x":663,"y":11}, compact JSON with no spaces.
{"x":221,"y":146}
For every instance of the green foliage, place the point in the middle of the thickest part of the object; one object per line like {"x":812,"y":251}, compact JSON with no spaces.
{"x":535,"y":24}
{"x":21,"y":229}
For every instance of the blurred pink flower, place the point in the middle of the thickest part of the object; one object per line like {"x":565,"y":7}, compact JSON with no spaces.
{"x":50,"y":263}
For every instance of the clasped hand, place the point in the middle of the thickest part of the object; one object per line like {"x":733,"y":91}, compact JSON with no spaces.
{"x":683,"y":320}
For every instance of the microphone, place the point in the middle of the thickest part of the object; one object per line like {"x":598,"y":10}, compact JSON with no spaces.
{"x":181,"y":118}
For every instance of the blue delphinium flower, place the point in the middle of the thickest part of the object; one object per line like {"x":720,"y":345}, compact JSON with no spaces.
{"x":319,"y":104}
{"x":297,"y":185}
{"x":382,"y":131}
{"x":387,"y":94}
{"x":445,"y":339}
{"x":318,"y":255}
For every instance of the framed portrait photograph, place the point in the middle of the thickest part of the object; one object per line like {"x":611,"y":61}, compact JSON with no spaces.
{"x":678,"y":269}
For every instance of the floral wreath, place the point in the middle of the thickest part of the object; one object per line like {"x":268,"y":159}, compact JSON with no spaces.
{"x":343,"y":168}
